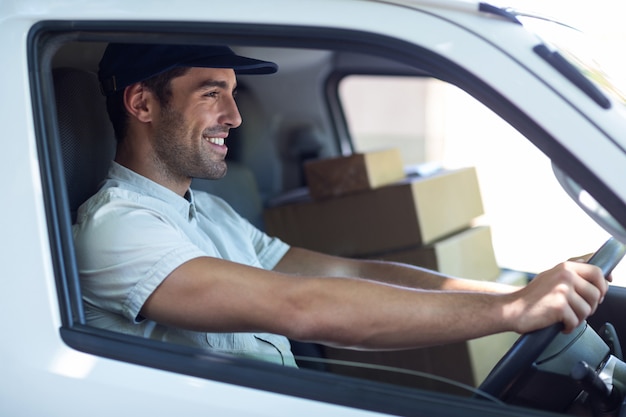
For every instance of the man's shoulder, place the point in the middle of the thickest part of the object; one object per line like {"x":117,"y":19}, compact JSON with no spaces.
{"x":111,"y":197}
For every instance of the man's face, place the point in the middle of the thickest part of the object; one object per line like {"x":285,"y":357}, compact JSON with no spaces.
{"x":190,"y":132}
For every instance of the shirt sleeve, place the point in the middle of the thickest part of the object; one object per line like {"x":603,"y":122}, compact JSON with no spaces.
{"x":270,"y":250}
{"x":124,"y":252}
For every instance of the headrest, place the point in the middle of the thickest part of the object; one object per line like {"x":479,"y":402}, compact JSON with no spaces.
{"x":87,"y":137}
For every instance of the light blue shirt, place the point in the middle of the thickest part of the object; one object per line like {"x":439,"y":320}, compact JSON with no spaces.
{"x":134,"y":232}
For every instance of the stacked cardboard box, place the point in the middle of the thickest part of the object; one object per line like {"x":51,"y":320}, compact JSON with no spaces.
{"x":485,"y":352}
{"x":468,"y":254}
{"x":335,"y":177}
{"x":354,"y":210}
{"x":405,"y":214}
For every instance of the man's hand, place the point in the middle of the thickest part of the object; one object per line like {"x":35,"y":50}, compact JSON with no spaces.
{"x":567,"y":293}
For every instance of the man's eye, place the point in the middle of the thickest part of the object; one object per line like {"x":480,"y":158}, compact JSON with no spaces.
{"x":211,"y":94}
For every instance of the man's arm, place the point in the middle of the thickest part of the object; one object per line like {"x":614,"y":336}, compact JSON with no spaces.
{"x":298,"y":261}
{"x":213,"y":295}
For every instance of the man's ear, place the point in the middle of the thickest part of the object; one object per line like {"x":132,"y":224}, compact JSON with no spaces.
{"x":139,"y":102}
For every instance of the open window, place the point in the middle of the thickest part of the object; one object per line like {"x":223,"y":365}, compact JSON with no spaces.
{"x":75,"y":143}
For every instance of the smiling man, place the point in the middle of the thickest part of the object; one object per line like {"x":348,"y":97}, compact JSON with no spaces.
{"x":160,"y":261}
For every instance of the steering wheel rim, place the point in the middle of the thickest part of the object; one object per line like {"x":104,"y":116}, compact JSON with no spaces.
{"x":529,"y":346}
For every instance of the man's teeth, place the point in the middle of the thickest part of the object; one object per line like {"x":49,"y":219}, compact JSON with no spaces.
{"x":217,"y":141}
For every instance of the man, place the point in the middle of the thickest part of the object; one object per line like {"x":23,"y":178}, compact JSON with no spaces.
{"x":160,"y":261}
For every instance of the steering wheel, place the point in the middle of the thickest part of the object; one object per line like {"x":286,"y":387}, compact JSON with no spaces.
{"x":529,"y":346}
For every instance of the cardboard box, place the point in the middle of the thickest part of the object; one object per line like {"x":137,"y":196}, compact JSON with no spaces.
{"x":335,"y":177}
{"x":485,"y":352}
{"x":412,"y":212}
{"x":467,"y":254}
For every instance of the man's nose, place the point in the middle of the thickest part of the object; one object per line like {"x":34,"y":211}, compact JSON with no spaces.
{"x":231,"y":116}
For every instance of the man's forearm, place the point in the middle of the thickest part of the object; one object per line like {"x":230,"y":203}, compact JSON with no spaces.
{"x":303,"y":262}
{"x":416,"y":277}
{"x":365,"y":314}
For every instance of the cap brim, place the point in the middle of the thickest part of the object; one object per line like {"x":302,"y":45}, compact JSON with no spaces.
{"x":241,"y":65}
{"x":125,"y":64}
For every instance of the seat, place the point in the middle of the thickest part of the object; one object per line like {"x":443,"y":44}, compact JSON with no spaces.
{"x":87,"y":138}
{"x":240,"y":189}
{"x":254,"y":143}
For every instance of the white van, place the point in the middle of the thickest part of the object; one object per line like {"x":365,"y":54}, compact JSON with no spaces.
{"x":354,"y":75}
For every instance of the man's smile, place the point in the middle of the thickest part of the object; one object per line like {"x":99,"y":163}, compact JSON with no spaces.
{"x":216,"y":141}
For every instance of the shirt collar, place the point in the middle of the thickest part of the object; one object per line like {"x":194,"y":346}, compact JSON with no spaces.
{"x":185,"y":206}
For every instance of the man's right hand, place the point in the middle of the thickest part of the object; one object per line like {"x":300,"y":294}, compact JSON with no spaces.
{"x":567,"y":293}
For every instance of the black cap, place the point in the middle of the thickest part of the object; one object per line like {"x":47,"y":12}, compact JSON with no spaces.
{"x":124,"y":64}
